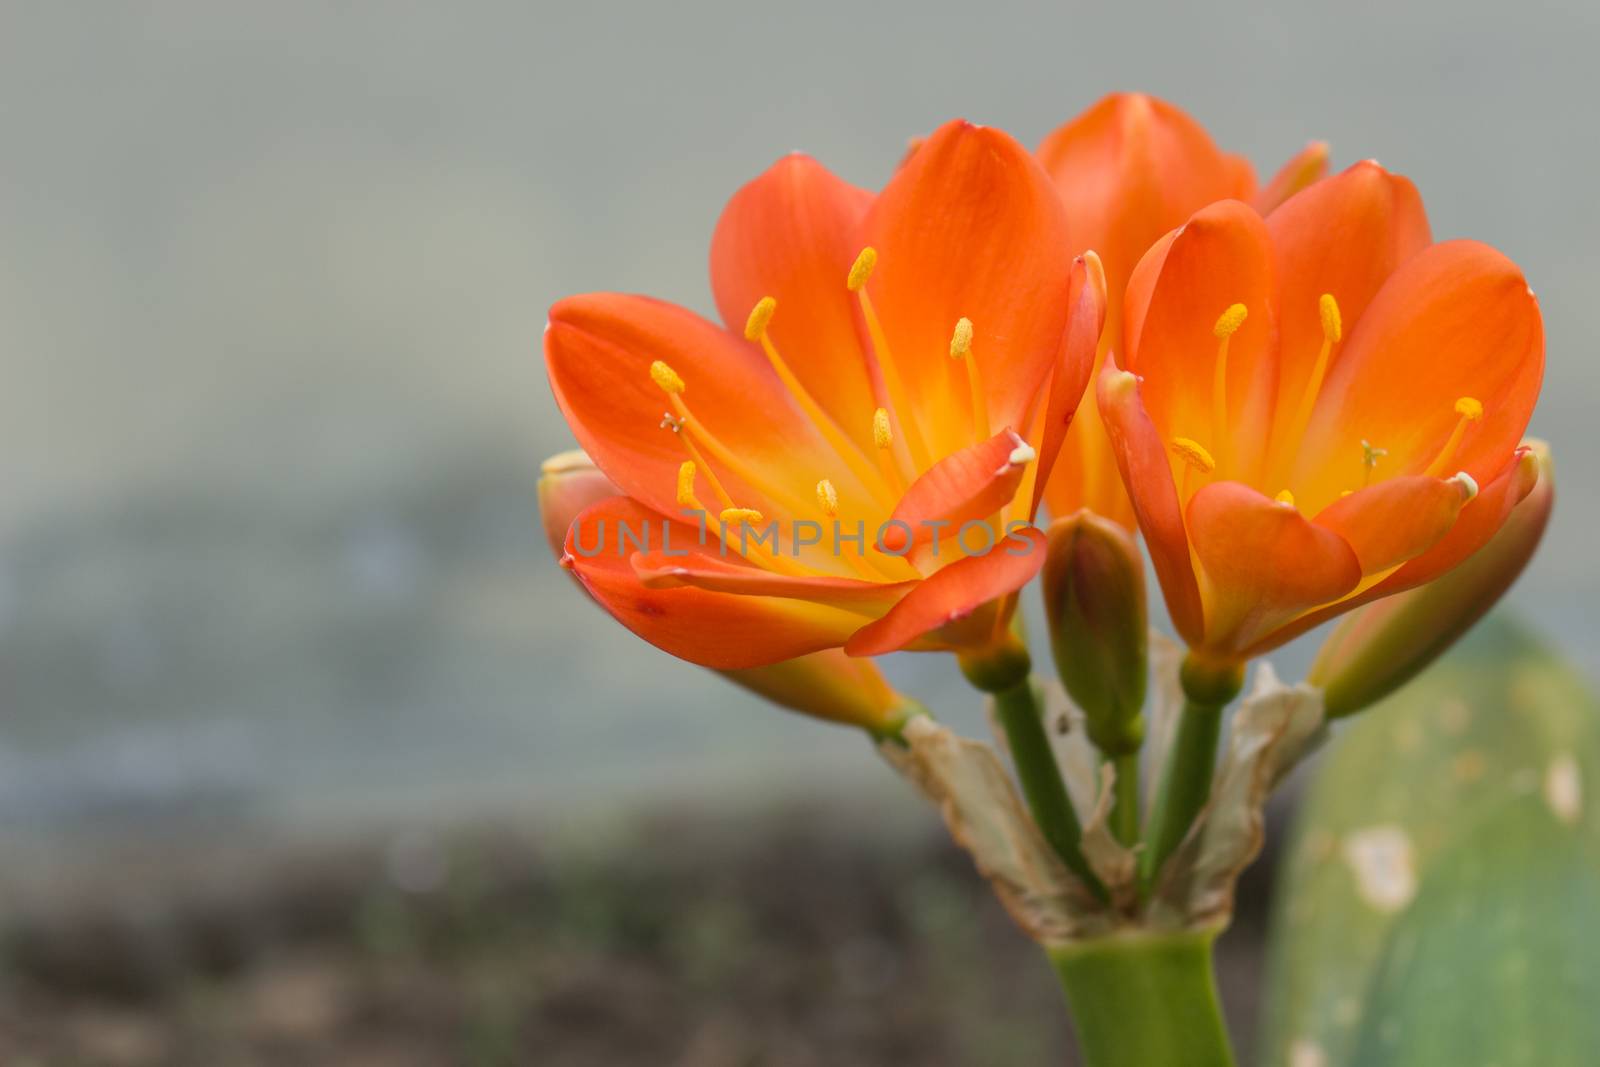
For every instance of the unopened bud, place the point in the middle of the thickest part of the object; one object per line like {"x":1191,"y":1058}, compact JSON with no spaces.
{"x":569,"y":483}
{"x":1380,"y":647}
{"x":1094,"y":599}
{"x":831,"y":685}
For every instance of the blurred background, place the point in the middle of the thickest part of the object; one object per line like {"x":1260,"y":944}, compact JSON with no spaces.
{"x":298,"y":720}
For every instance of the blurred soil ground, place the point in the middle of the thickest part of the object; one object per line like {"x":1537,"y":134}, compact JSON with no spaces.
{"x":797,"y":937}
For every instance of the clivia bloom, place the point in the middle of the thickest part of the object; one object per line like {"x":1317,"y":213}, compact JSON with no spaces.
{"x":1129,"y":169}
{"x":1320,"y":408}
{"x":854,"y":460}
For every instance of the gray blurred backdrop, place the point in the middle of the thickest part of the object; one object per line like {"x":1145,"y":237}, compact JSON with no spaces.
{"x":272,"y":280}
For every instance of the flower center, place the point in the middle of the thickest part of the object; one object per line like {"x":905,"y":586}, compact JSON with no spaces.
{"x":1199,"y":462}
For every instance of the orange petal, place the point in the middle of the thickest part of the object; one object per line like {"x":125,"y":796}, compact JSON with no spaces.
{"x":792,"y":234}
{"x":1344,"y":236}
{"x":1129,"y":169}
{"x":1456,"y":320}
{"x":966,"y":486}
{"x":1222,"y":256}
{"x":1085,"y":473}
{"x":1480,"y":520}
{"x":1393,"y":521}
{"x":1076,"y":362}
{"x":1263,"y":562}
{"x":951,"y":596}
{"x":970,"y":228}
{"x":724,"y":631}
{"x":1146,"y":470}
{"x":705,"y":568}
{"x":1302,"y":170}
{"x":599,"y":349}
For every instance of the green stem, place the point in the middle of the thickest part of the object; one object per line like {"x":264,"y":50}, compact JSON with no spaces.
{"x":1185,"y":786}
{"x":1142,"y":999}
{"x":1125,"y":806}
{"x":1186,"y":783}
{"x":1022,"y":718}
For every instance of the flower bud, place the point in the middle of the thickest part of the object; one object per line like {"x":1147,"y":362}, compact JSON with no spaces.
{"x":1380,"y":647}
{"x":1094,"y":600}
{"x":831,"y":685}
{"x":826,"y":685}
{"x":569,"y":483}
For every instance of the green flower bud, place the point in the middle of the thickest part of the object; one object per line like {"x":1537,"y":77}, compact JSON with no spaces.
{"x":1094,"y":598}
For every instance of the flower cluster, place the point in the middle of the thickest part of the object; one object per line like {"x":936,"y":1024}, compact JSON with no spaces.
{"x":1300,"y":401}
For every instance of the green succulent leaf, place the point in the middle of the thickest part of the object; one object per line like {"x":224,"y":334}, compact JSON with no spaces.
{"x":1440,"y":899}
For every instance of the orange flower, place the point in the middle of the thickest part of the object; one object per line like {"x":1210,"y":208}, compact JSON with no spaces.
{"x":1321,"y":408}
{"x":833,"y":467}
{"x":1130,"y":168}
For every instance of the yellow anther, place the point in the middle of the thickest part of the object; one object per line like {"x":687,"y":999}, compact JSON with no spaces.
{"x":861,"y":269}
{"x":828,"y":497}
{"x":1469,"y":408}
{"x":686,"y":497}
{"x":760,"y":315}
{"x":1285,"y":497}
{"x":882,"y":433}
{"x":1229,"y":321}
{"x":666,"y":377}
{"x":1194,"y":454}
{"x":1332,"y":324}
{"x":735,"y":516}
{"x":961,"y":340}
{"x":1468,"y":484}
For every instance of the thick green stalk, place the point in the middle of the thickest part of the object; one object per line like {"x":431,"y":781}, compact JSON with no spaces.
{"x":1022,"y":717}
{"x":1142,"y":999}
{"x":1186,"y":783}
{"x":1184,"y":787}
{"x":1125,"y":806}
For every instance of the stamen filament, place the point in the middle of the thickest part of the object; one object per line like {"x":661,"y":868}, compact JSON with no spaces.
{"x":756,"y":330}
{"x":828,"y":500}
{"x":734,"y":519}
{"x":961,"y":349}
{"x":673,"y":385}
{"x":1332,"y":333}
{"x":1470,"y":410}
{"x":699,"y":459}
{"x":1227,"y":325}
{"x":857,"y":283}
